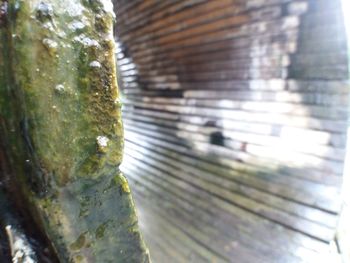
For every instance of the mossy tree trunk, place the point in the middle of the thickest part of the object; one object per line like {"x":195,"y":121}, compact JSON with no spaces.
{"x":61,"y":127}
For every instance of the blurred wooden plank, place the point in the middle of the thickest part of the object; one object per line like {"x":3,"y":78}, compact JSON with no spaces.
{"x":286,"y":248}
{"x":238,"y":195}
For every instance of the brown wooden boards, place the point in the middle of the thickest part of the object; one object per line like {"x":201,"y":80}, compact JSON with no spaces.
{"x":235,"y":115}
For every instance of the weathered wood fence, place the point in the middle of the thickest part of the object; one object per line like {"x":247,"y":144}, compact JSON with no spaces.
{"x":235,"y":114}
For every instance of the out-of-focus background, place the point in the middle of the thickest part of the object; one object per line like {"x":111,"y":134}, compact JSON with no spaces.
{"x":236,"y":116}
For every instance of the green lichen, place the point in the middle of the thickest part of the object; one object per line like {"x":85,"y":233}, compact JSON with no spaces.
{"x":79,"y":243}
{"x":61,"y":120}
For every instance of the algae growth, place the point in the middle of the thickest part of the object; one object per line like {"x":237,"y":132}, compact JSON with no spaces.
{"x":61,"y":125}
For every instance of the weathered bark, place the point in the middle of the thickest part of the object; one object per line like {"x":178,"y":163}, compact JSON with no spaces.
{"x":61,"y":127}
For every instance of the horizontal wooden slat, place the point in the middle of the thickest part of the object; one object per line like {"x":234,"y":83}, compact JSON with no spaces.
{"x":275,"y":237}
{"x":277,"y":184}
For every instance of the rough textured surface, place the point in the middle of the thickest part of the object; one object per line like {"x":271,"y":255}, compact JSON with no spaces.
{"x":61,"y":127}
{"x":235,"y":114}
